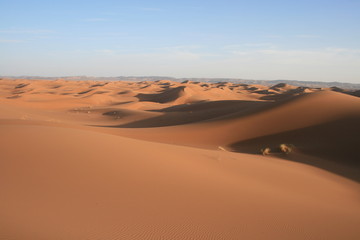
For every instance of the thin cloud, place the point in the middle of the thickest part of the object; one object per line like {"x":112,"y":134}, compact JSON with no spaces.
{"x":106,"y":51}
{"x":181,"y":48}
{"x":10,"y":41}
{"x":273,"y":36}
{"x":344,"y":50}
{"x":289,"y":53}
{"x":258,"y":45}
{"x":241,"y":46}
{"x":243,"y":53}
{"x":299,"y":56}
{"x":247,"y":48}
{"x":307,"y":36}
{"x":326,"y":51}
{"x":26,"y":31}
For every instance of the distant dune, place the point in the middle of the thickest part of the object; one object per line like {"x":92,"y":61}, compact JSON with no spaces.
{"x":313,"y":84}
{"x":177,"y":160}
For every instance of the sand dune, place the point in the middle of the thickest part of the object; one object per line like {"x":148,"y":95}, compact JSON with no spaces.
{"x":169,"y":160}
{"x":261,"y":119}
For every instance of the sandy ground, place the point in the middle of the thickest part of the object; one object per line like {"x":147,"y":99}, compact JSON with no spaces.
{"x":167,"y":160}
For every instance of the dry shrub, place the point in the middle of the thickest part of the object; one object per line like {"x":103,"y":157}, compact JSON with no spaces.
{"x":265,"y":151}
{"x":286,"y":148}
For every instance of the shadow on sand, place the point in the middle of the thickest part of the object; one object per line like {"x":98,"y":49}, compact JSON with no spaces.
{"x":333,"y":146}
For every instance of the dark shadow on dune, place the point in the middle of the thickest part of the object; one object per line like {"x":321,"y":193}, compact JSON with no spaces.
{"x":208,"y":105}
{"x":166,"y":84}
{"x":86,"y":91}
{"x":263,"y":92}
{"x":260,"y":106}
{"x":98,"y":85}
{"x":166,"y":96}
{"x":286,"y":95}
{"x":120,"y":103}
{"x":206,"y":111}
{"x":355,"y":93}
{"x":14,"y":97}
{"x":251,"y":88}
{"x":337,"y":143}
{"x":124,"y":92}
{"x":95,"y":93}
{"x":196,"y":112}
{"x":19,"y":92}
{"x":100,"y":92}
{"x":22,"y":85}
{"x":278,"y":86}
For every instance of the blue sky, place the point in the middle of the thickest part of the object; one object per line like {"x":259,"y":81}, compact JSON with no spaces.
{"x":301,"y":40}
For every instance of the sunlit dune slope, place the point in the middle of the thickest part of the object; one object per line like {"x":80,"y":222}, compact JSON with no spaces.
{"x":60,"y":183}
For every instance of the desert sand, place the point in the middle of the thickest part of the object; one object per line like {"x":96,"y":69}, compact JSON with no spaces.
{"x":168,"y":160}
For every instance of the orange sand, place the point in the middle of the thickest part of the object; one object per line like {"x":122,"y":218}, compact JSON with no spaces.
{"x":167,"y":160}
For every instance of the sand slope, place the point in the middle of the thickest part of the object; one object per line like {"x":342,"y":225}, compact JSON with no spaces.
{"x":70,"y":171}
{"x":83,"y":185}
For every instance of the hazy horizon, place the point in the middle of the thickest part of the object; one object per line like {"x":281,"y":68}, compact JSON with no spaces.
{"x":168,"y":78}
{"x":259,"y":40}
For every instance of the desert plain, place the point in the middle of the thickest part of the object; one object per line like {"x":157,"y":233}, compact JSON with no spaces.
{"x":168,"y":160}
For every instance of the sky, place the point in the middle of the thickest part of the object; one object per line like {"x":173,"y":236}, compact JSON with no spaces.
{"x":317,"y":40}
